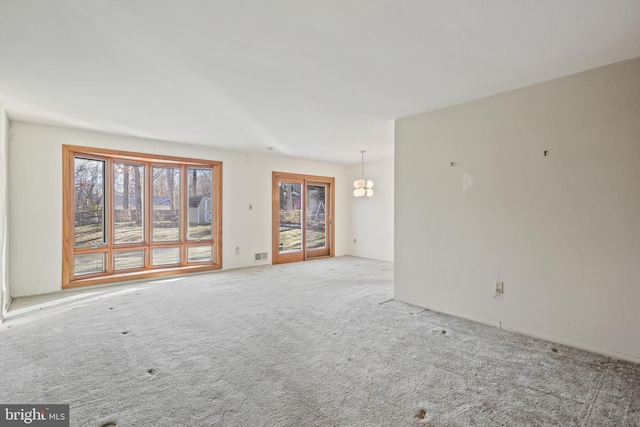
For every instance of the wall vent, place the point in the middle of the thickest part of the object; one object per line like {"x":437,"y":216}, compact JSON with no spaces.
{"x":261,"y":256}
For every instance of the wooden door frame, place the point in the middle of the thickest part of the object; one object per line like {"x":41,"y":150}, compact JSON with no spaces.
{"x":275,"y":211}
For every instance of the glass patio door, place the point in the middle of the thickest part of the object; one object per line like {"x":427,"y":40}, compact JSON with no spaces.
{"x":302,"y":217}
{"x":317,"y":241}
{"x":290,"y":221}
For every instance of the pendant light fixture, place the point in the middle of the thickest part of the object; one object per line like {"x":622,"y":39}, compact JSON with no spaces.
{"x":362,"y":187}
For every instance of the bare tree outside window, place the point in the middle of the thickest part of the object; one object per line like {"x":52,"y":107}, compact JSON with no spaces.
{"x":166,"y":204}
{"x":89,"y":202}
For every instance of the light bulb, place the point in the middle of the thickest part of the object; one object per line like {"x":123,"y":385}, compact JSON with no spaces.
{"x":370,"y":184}
{"x":355,"y":183}
{"x":369,"y":192}
{"x":361,"y":183}
{"x":355,"y":192}
{"x":361,"y":192}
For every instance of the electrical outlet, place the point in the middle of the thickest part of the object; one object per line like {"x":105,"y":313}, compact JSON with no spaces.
{"x":354,"y":240}
{"x":499,"y":288}
{"x":237,"y":250}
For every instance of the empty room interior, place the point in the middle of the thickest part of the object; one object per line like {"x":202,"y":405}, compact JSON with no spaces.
{"x":328,"y":213}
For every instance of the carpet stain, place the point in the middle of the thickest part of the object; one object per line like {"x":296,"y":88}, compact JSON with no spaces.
{"x":109,"y":424}
{"x":151,"y":371}
{"x":444,"y":332}
{"x":555,"y":350}
{"x":421,"y":414}
{"x":125,"y":332}
{"x":110,"y":308}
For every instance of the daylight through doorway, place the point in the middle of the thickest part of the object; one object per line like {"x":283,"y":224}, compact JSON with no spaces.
{"x":302,"y":217}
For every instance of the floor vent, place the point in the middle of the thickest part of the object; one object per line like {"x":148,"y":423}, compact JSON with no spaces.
{"x":261,"y":256}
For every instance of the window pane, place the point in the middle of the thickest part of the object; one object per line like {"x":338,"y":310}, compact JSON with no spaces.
{"x":88,"y":264}
{"x":166,"y":204}
{"x":88,"y":202}
{"x":128,"y":184}
{"x":200,"y":204}
{"x":290,"y":235}
{"x":128,"y":259}
{"x":199,"y":253}
{"x":316,"y":216}
{"x":163,"y":256}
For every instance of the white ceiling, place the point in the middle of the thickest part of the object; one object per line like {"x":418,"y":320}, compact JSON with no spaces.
{"x":316,"y":79}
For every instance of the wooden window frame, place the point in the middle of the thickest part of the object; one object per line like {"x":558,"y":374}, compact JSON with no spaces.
{"x":70,"y":152}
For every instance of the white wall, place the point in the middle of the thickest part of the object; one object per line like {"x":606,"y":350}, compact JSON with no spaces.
{"x":562,"y":231}
{"x":372,"y":217}
{"x":5,"y":291}
{"x":36,"y":199}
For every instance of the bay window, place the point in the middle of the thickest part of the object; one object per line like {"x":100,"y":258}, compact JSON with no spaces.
{"x":130,"y":215}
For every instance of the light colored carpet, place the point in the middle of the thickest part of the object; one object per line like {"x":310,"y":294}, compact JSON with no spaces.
{"x":320,"y":343}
